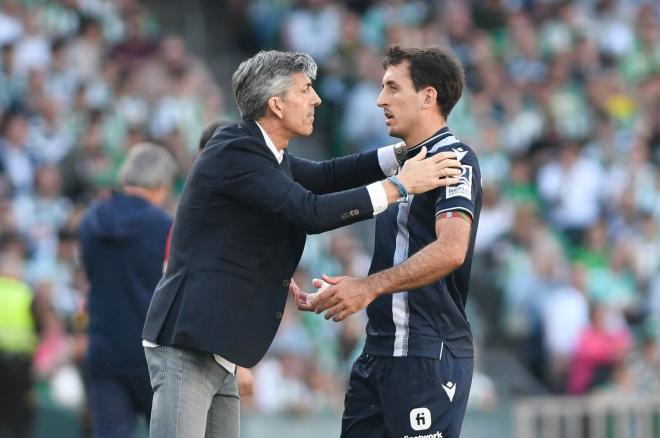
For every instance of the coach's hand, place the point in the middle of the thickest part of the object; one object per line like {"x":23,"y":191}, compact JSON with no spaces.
{"x":342,"y":297}
{"x":302,"y":299}
{"x":419,"y":175}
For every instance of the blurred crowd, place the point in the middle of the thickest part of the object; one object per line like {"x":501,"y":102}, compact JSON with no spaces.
{"x":562,"y":106}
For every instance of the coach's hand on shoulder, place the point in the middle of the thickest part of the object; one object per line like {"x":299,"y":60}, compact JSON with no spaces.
{"x":420,"y":174}
{"x":341,"y":296}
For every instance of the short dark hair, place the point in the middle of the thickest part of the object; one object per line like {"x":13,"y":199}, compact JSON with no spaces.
{"x":431,"y":67}
{"x":210,"y":129}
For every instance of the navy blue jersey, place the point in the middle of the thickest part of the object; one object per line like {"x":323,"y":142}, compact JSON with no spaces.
{"x":423,"y":321}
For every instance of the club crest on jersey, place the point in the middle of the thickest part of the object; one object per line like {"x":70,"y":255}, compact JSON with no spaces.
{"x":464,"y":186}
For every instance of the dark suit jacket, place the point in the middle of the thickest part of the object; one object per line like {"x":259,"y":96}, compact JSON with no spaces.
{"x":238,"y":235}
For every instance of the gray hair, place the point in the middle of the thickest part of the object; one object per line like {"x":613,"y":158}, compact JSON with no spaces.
{"x":267,"y":74}
{"x":148,"y":166}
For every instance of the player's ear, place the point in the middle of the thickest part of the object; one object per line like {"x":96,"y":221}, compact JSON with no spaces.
{"x":429,"y":97}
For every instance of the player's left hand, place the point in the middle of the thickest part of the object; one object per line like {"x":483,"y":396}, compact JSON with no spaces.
{"x":343,"y":297}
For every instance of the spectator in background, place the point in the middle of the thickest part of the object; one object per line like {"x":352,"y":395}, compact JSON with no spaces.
{"x":363,"y":121}
{"x":61,"y":80}
{"x":17,"y":341}
{"x":15,"y":161}
{"x":11,"y":27}
{"x":314,"y":28}
{"x":11,"y":84}
{"x":572,"y":187}
{"x":602,"y":345}
{"x":38,"y":217}
{"x":208,"y":132}
{"x":564,"y":316}
{"x":33,"y":50}
{"x":123,"y":240}
{"x":85,"y":53}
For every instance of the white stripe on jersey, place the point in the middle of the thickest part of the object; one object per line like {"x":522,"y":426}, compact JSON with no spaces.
{"x":444,"y":142}
{"x":400,"y":312}
{"x":400,"y":309}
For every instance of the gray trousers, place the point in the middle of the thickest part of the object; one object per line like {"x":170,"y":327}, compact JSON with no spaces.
{"x":194,"y":397}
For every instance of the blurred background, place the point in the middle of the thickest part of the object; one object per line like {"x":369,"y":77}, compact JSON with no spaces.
{"x":562,"y":106}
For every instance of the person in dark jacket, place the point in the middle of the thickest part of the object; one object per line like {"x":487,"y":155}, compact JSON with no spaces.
{"x":123,"y":240}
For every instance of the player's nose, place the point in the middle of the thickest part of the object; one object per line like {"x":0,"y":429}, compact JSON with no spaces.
{"x":381,"y":100}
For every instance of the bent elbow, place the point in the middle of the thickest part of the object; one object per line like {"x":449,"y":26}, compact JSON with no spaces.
{"x":458,"y":258}
{"x":315,"y":226}
{"x":313,"y":229}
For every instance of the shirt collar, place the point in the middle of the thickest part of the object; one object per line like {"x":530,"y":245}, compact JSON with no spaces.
{"x":279,"y":155}
{"x":439,"y":135}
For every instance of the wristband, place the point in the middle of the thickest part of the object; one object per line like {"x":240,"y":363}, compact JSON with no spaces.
{"x":455,"y":213}
{"x":402,"y":190}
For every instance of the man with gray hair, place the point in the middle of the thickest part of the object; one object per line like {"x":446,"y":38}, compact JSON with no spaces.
{"x":123,"y":239}
{"x":238,"y":235}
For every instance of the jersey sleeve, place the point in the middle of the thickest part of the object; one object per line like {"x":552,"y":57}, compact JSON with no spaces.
{"x":462,"y":195}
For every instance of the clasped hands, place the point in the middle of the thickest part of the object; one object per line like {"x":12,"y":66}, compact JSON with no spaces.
{"x":338,"y":297}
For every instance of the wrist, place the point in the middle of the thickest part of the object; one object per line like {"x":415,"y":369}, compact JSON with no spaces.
{"x":401,"y":188}
{"x":375,"y":286}
{"x":391,"y":191}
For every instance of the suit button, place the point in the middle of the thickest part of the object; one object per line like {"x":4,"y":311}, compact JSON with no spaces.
{"x":285,"y":283}
{"x":278,"y":315}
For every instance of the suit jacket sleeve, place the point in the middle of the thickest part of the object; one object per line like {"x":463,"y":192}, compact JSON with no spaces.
{"x":337,"y":174}
{"x":249,"y":175}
